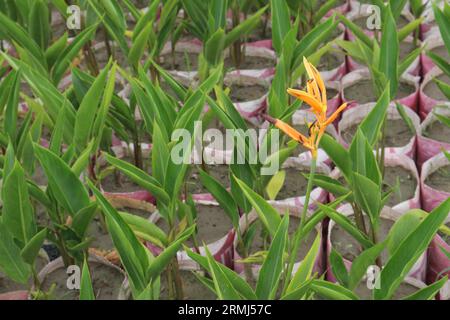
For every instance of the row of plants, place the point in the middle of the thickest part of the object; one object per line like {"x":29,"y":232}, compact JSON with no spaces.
{"x":93,"y":118}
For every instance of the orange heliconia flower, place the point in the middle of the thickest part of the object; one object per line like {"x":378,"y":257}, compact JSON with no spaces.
{"x":316,"y":97}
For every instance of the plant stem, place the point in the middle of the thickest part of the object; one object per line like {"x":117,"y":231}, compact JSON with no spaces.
{"x":300,"y":232}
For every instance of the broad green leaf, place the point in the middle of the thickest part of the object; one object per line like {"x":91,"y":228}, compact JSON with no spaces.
{"x":86,"y":290}
{"x":304,"y":271}
{"x":140,"y":177}
{"x":268,"y":215}
{"x":65,"y":185}
{"x":271,"y":270}
{"x":371,"y":125}
{"x":239,"y":284}
{"x":222,"y":196}
{"x":338,"y":267}
{"x":280,"y":23}
{"x":18,"y":215}
{"x":133,"y":254}
{"x":429,"y":292}
{"x":11,"y":262}
{"x":332,"y":291}
{"x":31,"y":250}
{"x":409,"y":251}
{"x":362,"y":262}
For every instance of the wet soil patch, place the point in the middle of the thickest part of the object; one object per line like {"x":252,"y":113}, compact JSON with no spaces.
{"x":432,"y":90}
{"x":442,"y":52}
{"x":440,"y":179}
{"x":212,"y":224}
{"x":331,"y":60}
{"x":294,"y":184}
{"x":106,"y":282}
{"x":180,"y":61}
{"x":405,"y":49}
{"x":242,"y":92}
{"x":401,"y":179}
{"x":362,"y":92}
{"x":437,"y":131}
{"x":251,"y":63}
{"x":398,"y":133}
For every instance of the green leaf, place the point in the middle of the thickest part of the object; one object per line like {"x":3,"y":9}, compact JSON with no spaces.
{"x":371,"y":125}
{"x":280,"y":23}
{"x":223,"y":287}
{"x":65,"y":185}
{"x":140,"y":177}
{"x":338,"y":268}
{"x":367,"y":196}
{"x":244,"y":27}
{"x":304,"y":271}
{"x":139,"y":44}
{"x":133,"y":255}
{"x":18,"y":215}
{"x":389,"y":51}
{"x":332,"y":291}
{"x":38,"y":24}
{"x":409,"y":251}
{"x":11,"y":110}
{"x":144,"y":226}
{"x":11,"y":262}
{"x":239,"y":284}
{"x":362,"y":262}
{"x":338,"y":154}
{"x":268,"y":215}
{"x":66,"y":56}
{"x":442,"y":20}
{"x":275,"y":184}
{"x":86,"y":289}
{"x":159,"y":263}
{"x":222,"y":196}
{"x":347,"y":225}
{"x":429,"y":292}
{"x":271,"y":270}
{"x":214,"y":47}
{"x":31,"y":250}
{"x":87,"y":111}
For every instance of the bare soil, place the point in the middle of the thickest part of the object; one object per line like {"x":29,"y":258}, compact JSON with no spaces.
{"x":331,"y":60}
{"x":439,"y":179}
{"x":398,"y":133}
{"x":251,"y":63}
{"x":180,"y":61}
{"x":403,"y":179}
{"x":106,"y":282}
{"x":212,"y":224}
{"x":438,"y":131}
{"x":362,"y":92}
{"x":432,"y":90}
{"x":241,"y":92}
{"x":294,"y":184}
